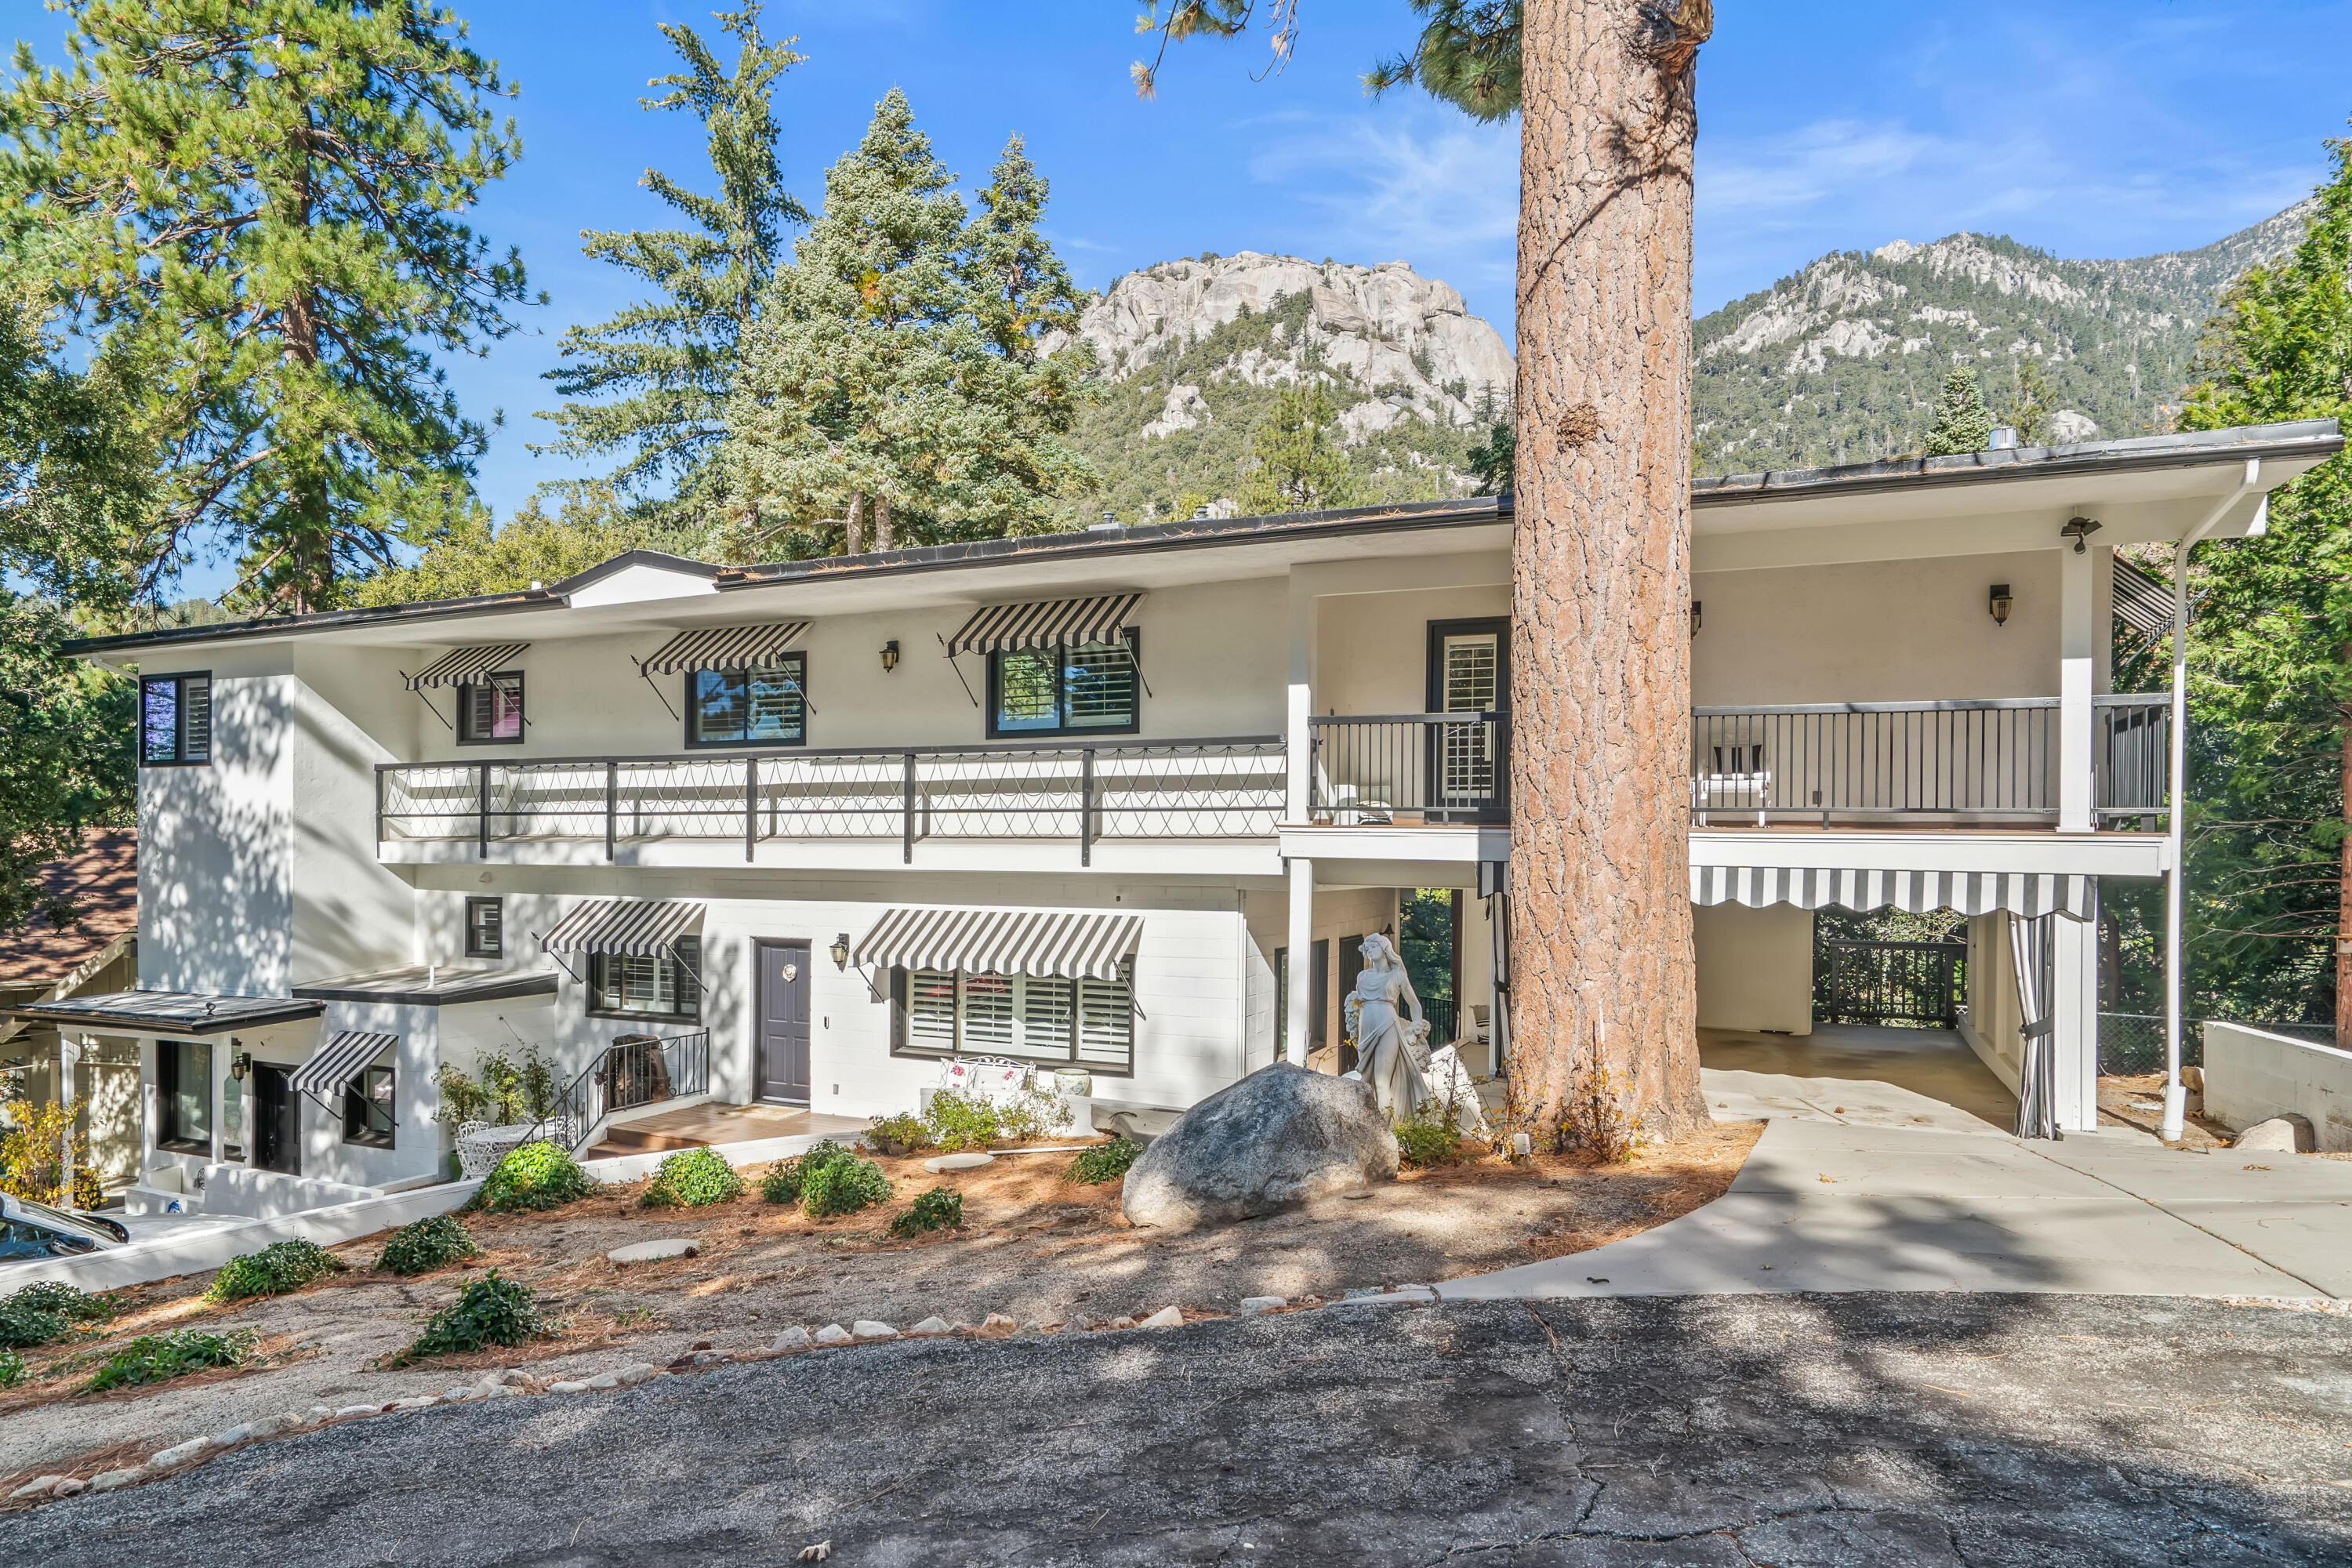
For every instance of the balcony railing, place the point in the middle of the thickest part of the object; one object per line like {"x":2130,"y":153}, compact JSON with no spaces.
{"x":1087,"y":794}
{"x":1994,"y":759}
{"x":1411,"y":768}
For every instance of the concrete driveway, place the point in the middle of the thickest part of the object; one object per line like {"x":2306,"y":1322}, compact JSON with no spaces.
{"x":1847,"y":1432}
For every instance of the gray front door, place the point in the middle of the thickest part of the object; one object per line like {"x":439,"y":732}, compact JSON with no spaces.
{"x":277,"y":1120}
{"x":781,"y":1022}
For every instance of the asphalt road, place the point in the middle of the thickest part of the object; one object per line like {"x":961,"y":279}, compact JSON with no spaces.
{"x":1794,"y":1431}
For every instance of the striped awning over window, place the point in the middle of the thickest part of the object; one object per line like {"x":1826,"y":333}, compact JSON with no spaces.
{"x":725,"y":648}
{"x":2143,"y":600}
{"x":338,"y":1060}
{"x":645,"y":927}
{"x":1045,"y":624}
{"x":2027,"y":893}
{"x":1002,"y":942}
{"x":464,"y":666}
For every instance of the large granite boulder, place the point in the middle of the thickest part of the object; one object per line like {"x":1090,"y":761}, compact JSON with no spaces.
{"x":1279,"y":1137}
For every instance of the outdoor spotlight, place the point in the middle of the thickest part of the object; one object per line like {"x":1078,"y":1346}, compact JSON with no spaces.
{"x":2078,"y":529}
{"x":2000,"y":604}
{"x":889,"y":655}
{"x":840,"y":948}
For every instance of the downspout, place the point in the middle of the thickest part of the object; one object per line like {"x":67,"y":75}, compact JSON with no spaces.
{"x":2176,"y":1095}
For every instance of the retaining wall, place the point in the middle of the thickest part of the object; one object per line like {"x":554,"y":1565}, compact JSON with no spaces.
{"x":2252,"y":1076}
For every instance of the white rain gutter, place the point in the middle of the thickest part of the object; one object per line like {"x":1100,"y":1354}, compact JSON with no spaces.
{"x":2175,"y":1096}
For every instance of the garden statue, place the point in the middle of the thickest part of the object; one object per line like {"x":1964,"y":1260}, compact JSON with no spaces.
{"x":1390,"y":1052}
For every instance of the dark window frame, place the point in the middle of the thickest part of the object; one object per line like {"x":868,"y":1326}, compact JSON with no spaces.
{"x":1497,"y":626}
{"x":495,"y":946}
{"x":178,"y":680}
{"x":795,"y":660}
{"x":901,"y":1019}
{"x":169,"y":1135}
{"x":996,"y":731}
{"x":360,"y":1106}
{"x":465,"y":736}
{"x":686,"y":984}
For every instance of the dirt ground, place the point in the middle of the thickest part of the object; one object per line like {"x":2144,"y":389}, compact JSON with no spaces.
{"x":2137,"y":1100}
{"x":1031,"y":1246}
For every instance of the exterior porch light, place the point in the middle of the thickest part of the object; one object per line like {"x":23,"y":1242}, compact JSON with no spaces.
{"x":889,"y":655}
{"x":2078,"y":529}
{"x":239,"y":1065}
{"x":2000,"y":604}
{"x":840,"y":948}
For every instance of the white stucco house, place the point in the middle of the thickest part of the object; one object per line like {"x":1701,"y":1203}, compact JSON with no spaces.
{"x":1120,"y":801}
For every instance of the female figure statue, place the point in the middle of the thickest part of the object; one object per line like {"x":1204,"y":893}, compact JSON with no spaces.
{"x":1390,"y":1052}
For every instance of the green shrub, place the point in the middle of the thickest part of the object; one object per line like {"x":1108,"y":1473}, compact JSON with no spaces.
{"x":535,"y":1176}
{"x":935,"y":1210}
{"x":38,"y":1314}
{"x":12,"y":1369}
{"x":280,"y":1266}
{"x":487,"y":1311}
{"x":158,"y":1358}
{"x":1428,"y":1137}
{"x":434,"y":1242}
{"x":786,"y":1178}
{"x":907,"y":1132}
{"x":693,"y":1179}
{"x":958,"y":1121}
{"x":1105,"y":1162}
{"x":843,"y":1187}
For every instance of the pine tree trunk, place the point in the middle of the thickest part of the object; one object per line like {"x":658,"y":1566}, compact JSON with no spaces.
{"x":854,"y":543}
{"x":885,"y":536}
{"x":1602,"y":968}
{"x":2343,"y":886}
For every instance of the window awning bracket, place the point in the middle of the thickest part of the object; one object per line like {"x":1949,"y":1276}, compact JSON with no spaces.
{"x":958,"y":669}
{"x":427,"y":701}
{"x":657,"y":691}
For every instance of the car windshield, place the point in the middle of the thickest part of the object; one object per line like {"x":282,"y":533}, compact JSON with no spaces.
{"x":57,"y":1219}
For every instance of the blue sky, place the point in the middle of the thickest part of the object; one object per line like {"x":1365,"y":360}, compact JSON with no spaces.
{"x":2087,"y":129}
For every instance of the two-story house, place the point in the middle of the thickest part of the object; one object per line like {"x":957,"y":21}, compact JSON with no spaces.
{"x":1120,"y":801}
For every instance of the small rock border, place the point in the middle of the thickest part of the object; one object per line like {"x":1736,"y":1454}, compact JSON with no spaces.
{"x":512,"y":1382}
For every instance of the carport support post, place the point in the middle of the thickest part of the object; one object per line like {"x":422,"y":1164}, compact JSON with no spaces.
{"x":2075,"y":1000}
{"x":2078,"y":653}
{"x":1302,"y":958}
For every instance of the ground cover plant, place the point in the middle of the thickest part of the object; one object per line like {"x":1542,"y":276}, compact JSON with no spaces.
{"x":488,"y":1312}
{"x":12,"y":1369}
{"x":535,"y":1176}
{"x":158,"y":1358}
{"x":280,"y":1266}
{"x":843,"y":1187}
{"x":786,"y":1179}
{"x":959,"y":1121}
{"x":693,"y":1179}
{"x":43,"y":1313}
{"x":1105,"y":1162}
{"x":937,"y":1209}
{"x":1429,"y":1137}
{"x":434,"y":1242}
{"x":901,"y":1134}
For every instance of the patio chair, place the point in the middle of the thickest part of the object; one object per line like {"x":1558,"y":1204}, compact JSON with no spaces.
{"x":1734,"y":779}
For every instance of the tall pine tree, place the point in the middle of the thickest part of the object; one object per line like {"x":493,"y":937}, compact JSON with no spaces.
{"x":1963,"y":423}
{"x":1297,"y":466}
{"x":266,"y":196}
{"x":652,"y":383}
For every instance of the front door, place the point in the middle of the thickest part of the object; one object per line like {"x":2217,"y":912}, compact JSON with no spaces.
{"x":1469,"y":672}
{"x":781,"y":1022}
{"x":277,"y":1120}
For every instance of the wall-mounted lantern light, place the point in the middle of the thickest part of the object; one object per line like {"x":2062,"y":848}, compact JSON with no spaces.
{"x":239,"y":1065}
{"x":889,"y":655}
{"x":1693,"y":618}
{"x":2000,"y":604}
{"x":840,"y":951}
{"x":2078,"y":529}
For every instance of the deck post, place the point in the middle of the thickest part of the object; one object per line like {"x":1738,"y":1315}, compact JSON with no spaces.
{"x":612,"y":805}
{"x":906,"y":823}
{"x":482,"y":815}
{"x":1086,"y":806}
{"x":1302,"y":955}
{"x":751,"y":804}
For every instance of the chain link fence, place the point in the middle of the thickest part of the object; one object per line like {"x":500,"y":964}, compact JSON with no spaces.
{"x":2132,"y":1043}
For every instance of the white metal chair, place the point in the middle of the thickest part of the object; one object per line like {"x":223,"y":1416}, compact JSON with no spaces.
{"x":1734,"y":779}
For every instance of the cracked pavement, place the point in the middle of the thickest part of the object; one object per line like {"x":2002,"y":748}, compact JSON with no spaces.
{"x":1796,"y":1431}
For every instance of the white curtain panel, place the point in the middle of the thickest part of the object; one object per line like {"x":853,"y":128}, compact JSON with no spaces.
{"x":2029,"y":946}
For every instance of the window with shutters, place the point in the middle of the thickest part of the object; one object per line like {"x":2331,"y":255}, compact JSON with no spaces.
{"x":175,"y":721}
{"x":1073,"y":688}
{"x":764,"y":707}
{"x":484,"y":928}
{"x":1046,"y":1018}
{"x":639,"y":986}
{"x":490,"y":711}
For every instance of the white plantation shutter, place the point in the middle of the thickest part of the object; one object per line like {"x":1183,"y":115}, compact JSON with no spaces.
{"x":930,"y":1011}
{"x":1106,"y":1024}
{"x":987,"y":1015}
{"x":1046,"y":1005}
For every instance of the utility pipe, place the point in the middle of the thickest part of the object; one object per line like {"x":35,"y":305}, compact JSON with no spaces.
{"x":2176,"y":1095}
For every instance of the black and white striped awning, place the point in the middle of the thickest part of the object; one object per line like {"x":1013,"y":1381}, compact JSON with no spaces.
{"x":1002,"y":942}
{"x":464,"y":666}
{"x":2027,"y":893}
{"x":725,"y":648}
{"x":1046,"y":623}
{"x":644,"y":927}
{"x":338,"y":1060}
{"x":2143,"y":600}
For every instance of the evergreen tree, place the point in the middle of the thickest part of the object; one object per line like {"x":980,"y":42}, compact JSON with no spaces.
{"x":1300,"y":466}
{"x":1491,"y":459}
{"x":652,"y":382}
{"x":262,"y":200}
{"x":470,"y":557}
{"x":1467,"y":55}
{"x":899,"y":369}
{"x":2029,"y":412}
{"x":2271,"y":865}
{"x":1963,"y":424}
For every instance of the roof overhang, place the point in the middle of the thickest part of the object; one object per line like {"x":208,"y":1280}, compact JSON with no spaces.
{"x":439,"y":985}
{"x":167,"y":1012}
